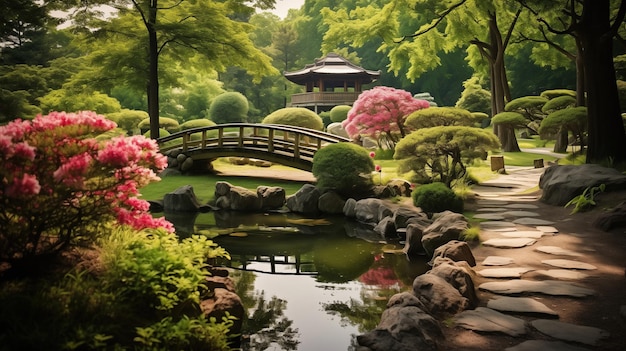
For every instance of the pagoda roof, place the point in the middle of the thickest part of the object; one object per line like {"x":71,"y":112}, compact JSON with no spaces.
{"x":331,"y":66}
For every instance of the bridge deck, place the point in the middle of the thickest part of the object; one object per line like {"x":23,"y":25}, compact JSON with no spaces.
{"x":288,"y":145}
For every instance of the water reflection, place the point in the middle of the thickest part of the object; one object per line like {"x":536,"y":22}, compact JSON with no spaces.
{"x":306,"y":283}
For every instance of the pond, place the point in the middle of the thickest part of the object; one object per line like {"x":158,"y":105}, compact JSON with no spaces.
{"x":306,"y":283}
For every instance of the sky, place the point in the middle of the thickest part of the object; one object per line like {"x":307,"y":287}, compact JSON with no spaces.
{"x":283,"y":6}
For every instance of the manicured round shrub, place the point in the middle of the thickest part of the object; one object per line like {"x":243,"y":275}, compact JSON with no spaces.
{"x":230,"y":107}
{"x":339,"y":113}
{"x":295,"y":116}
{"x":128,"y":119}
{"x":169,"y":124}
{"x":197,"y":123}
{"x":436,"y":197}
{"x":162,"y":133}
{"x":345,"y":167}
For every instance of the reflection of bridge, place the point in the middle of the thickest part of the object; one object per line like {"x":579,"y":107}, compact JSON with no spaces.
{"x":289,"y":265}
{"x":288,"y":145}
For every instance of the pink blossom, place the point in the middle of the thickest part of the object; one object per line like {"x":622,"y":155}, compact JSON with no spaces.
{"x":24,"y":151}
{"x":372,"y":154}
{"x":72,"y":172}
{"x":24,"y":186}
{"x":378,"y":168}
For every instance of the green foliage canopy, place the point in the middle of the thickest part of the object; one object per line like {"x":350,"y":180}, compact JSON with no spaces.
{"x":345,"y":167}
{"x":229,"y":107}
{"x":442,"y":153}
{"x":441,"y":116}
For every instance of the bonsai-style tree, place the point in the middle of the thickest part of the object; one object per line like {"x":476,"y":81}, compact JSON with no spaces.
{"x":380,"y":114}
{"x":339,"y":113}
{"x":442,"y":153}
{"x":295,"y":116}
{"x":555,"y":104}
{"x":509,"y":122}
{"x":530,"y":107}
{"x":474,"y":97}
{"x":169,"y":124}
{"x":571,"y":119}
{"x":230,"y":107}
{"x":344,"y":167}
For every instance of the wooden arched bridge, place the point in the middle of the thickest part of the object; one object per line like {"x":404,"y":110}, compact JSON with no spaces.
{"x":287,"y":145}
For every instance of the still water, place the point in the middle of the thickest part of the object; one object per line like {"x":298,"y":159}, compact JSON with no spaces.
{"x":306,"y":283}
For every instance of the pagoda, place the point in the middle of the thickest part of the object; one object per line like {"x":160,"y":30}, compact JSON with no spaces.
{"x":329,"y":81}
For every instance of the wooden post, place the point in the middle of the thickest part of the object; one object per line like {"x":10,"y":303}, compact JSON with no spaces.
{"x":270,"y":141}
{"x":497,"y":163}
{"x":538,"y":163}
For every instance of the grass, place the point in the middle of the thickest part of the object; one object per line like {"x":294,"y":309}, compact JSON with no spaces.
{"x":204,"y":185}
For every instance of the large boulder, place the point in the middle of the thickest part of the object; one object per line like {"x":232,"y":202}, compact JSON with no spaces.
{"x":413,"y":242}
{"x":336,"y":128}
{"x":440,"y":297}
{"x":304,"y":200}
{"x":400,"y":187}
{"x":182,"y":199}
{"x":455,"y":250}
{"x":331,"y":202}
{"x":459,"y":275}
{"x":446,"y":226}
{"x":371,"y":210}
{"x":560,"y":184}
{"x":272,"y":197}
{"x":349,"y":208}
{"x":404,"y":325}
{"x":386,"y":228}
{"x":403,"y":215}
{"x":615,"y":218}
{"x":242,"y":199}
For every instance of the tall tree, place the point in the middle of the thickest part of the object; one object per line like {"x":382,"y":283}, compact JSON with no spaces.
{"x":177,"y":29}
{"x":444,"y":26}
{"x":595,"y":26}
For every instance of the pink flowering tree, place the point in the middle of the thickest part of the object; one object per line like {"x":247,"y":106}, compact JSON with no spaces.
{"x":380,"y":113}
{"x":60,"y":185}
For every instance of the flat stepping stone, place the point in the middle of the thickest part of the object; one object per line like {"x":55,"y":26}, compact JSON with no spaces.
{"x":491,"y":209}
{"x":544,"y":345}
{"x":563,"y":274}
{"x":548,"y":287}
{"x":512,"y":272}
{"x":497,"y":261}
{"x":547,"y":229}
{"x":520,"y":214}
{"x":521,"y":305}
{"x":532,"y":221}
{"x":509,"y":243}
{"x":569,"y":264}
{"x":489,"y":216}
{"x":487,"y":320}
{"x":525,"y":206}
{"x":489,"y":224}
{"x":534,"y":234}
{"x":555,"y":250}
{"x":570,"y":332}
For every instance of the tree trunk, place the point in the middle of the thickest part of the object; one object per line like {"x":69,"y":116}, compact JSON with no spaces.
{"x":607,"y":140}
{"x":153,"y":72}
{"x":511,"y":144}
{"x":561,"y":141}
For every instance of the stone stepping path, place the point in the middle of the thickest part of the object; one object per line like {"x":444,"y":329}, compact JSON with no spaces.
{"x":520,"y":305}
{"x":513,"y":272}
{"x":511,"y":218}
{"x":547,"y":287}
{"x":555,"y":250}
{"x":570,"y":332}
{"x":509,"y":243}
{"x":497,"y":261}
{"x":562,"y":274}
{"x":488,"y":320}
{"x":545,"y":345}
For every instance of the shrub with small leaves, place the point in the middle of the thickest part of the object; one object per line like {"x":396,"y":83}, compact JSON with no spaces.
{"x":436,"y":197}
{"x":345,"y":167}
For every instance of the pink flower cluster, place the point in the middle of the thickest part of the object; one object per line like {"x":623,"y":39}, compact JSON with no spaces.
{"x":55,"y":160}
{"x":381,"y":110}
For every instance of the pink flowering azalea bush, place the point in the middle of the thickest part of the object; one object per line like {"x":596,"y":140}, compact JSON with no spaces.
{"x":380,"y":113}
{"x":60,"y":185}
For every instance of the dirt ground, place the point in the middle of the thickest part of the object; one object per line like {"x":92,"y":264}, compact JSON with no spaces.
{"x":605,"y":250}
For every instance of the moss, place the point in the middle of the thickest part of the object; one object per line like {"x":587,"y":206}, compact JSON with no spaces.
{"x":436,"y":197}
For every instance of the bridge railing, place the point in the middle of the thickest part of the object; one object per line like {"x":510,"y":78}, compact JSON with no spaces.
{"x":287,"y":141}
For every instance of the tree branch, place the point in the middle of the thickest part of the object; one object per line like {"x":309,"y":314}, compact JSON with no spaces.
{"x":438,"y":20}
